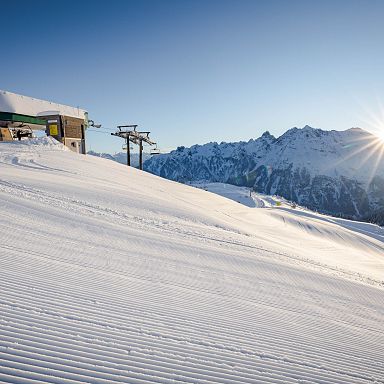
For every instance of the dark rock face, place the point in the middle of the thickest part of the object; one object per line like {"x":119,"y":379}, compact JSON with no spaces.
{"x":314,"y":168}
{"x":376,"y":216}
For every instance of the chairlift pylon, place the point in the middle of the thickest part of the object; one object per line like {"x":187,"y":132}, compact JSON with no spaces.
{"x":134,"y":137}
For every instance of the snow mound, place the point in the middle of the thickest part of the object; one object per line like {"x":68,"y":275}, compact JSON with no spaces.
{"x":35,"y":144}
{"x":110,"y":275}
{"x":365,"y":241}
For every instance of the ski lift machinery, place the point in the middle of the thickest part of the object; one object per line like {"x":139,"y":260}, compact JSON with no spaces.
{"x":130,"y":134}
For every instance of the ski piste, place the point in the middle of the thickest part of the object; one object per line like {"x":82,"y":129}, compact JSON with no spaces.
{"x":110,"y":275}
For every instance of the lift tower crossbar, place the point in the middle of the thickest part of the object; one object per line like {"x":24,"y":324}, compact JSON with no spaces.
{"x":133,"y":136}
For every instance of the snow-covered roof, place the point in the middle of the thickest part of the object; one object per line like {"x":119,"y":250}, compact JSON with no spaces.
{"x":25,"y":105}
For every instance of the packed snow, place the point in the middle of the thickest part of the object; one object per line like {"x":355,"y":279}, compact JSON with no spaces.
{"x":121,"y":157}
{"x":244,"y":195}
{"x":109,"y":275}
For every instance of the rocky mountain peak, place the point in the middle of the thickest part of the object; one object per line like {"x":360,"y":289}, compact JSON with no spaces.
{"x":330,"y":171}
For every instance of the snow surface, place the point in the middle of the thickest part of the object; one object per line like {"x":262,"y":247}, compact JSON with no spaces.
{"x":109,"y":274}
{"x":315,"y":224}
{"x":244,"y":195}
{"x":121,"y":157}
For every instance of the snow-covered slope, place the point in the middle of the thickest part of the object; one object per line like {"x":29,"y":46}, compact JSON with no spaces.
{"x":121,"y":157}
{"x":249,"y":198}
{"x":244,"y":195}
{"x":337,"y":172}
{"x":110,"y":274}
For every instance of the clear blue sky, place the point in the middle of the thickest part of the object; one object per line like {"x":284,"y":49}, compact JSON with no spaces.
{"x":194,"y":71}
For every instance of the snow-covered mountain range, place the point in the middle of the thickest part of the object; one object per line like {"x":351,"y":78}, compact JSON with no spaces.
{"x":336,"y":172}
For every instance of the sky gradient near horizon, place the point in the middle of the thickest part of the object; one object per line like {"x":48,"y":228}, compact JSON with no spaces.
{"x":194,"y":71}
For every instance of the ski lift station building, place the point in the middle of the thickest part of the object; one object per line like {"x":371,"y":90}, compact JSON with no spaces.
{"x":21,"y":115}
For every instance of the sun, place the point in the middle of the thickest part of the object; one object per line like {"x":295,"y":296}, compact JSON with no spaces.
{"x":377,"y":131}
{"x":375,"y":122}
{"x":369,"y":147}
{"x":380,"y":135}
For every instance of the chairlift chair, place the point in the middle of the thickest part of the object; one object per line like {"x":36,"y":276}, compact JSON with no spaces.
{"x":155,"y":151}
{"x":21,"y":131}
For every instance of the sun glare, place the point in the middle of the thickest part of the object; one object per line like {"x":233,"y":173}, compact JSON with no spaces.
{"x":374,"y":121}
{"x":378,"y":132}
{"x":369,"y":147}
{"x":380,"y":135}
